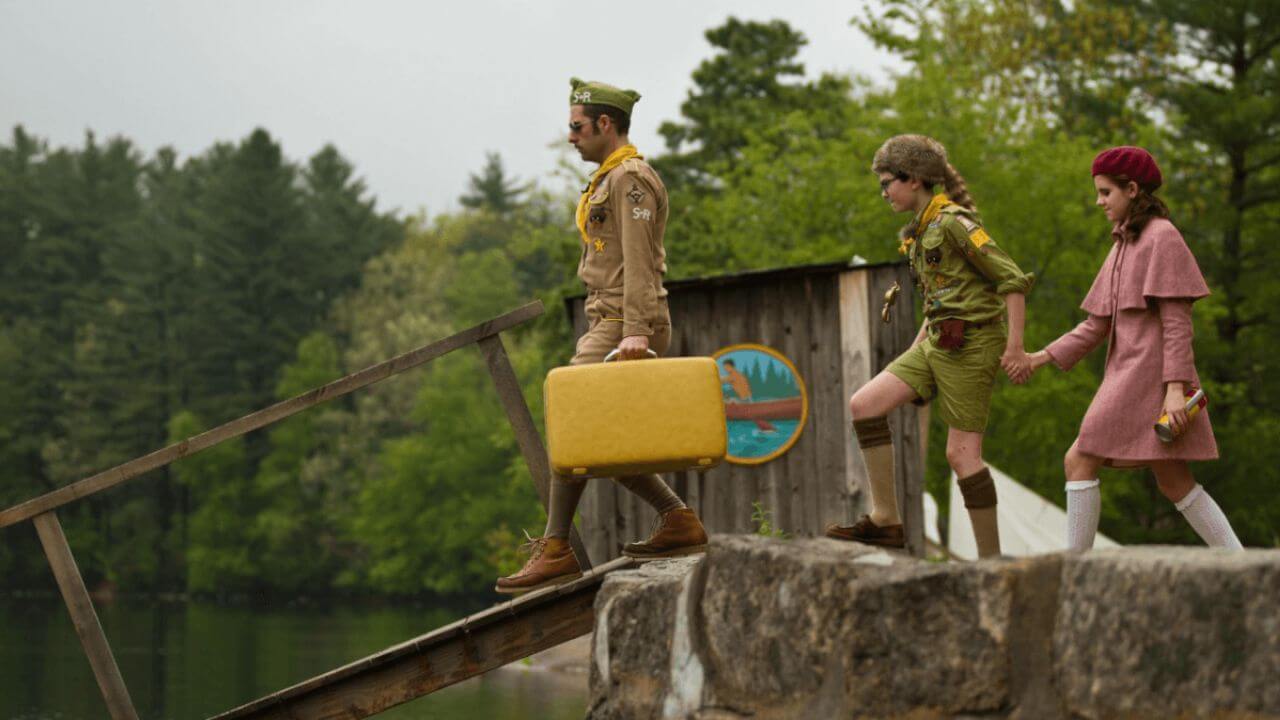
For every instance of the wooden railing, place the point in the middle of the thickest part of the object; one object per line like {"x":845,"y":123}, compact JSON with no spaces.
{"x":42,"y":510}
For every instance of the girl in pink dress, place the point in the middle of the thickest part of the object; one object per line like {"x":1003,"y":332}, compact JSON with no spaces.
{"x":1140,"y":303}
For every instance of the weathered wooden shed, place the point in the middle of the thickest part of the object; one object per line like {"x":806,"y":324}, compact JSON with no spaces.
{"x":826,"y":320}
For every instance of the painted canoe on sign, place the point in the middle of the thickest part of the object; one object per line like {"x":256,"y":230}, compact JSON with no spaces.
{"x":765,"y":402}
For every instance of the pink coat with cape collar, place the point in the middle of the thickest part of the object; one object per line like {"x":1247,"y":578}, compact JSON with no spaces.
{"x":1141,"y":303}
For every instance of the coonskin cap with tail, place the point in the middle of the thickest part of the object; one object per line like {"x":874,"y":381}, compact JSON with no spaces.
{"x":917,"y":156}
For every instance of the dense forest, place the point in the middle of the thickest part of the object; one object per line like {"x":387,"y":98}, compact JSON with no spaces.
{"x":146,"y":298}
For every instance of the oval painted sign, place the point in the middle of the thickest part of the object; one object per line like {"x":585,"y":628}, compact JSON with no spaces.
{"x":765,"y":402}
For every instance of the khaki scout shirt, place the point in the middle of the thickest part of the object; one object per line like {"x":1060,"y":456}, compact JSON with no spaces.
{"x":960,"y":271}
{"x":623,"y":259}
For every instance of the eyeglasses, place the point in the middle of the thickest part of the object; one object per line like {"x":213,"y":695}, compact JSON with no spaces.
{"x":884,"y":184}
{"x":578,"y":125}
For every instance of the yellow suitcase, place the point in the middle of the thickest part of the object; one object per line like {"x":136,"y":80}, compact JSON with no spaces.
{"x":641,"y":416}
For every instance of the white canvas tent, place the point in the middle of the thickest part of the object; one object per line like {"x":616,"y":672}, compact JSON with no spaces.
{"x":1029,"y":524}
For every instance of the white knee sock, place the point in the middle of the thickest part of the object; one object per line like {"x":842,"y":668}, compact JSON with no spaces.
{"x":1208,"y":519}
{"x":1084,"y":505}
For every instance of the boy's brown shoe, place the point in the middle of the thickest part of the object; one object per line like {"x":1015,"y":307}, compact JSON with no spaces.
{"x":679,"y":532}
{"x":551,"y":562}
{"x":868,"y":533}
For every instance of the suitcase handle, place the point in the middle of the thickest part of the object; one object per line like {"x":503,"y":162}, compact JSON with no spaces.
{"x":613,"y":354}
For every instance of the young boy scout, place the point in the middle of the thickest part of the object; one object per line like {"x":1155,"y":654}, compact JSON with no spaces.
{"x":968,"y":284}
{"x":621,"y":217}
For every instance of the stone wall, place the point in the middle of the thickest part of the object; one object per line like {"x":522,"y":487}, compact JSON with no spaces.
{"x":803,"y":629}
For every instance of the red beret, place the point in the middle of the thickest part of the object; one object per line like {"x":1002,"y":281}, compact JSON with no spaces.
{"x":1132,"y":162}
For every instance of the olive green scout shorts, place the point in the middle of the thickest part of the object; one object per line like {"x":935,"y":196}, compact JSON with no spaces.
{"x":961,"y":380}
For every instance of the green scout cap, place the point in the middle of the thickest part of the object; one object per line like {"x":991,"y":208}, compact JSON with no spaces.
{"x":598,"y":93}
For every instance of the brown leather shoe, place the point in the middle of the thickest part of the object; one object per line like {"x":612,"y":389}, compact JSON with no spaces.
{"x":868,"y":533}
{"x":679,"y":532}
{"x":551,"y":562}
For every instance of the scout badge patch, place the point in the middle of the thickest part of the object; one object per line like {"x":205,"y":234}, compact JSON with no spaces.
{"x":622,"y":154}
{"x":977,"y":236}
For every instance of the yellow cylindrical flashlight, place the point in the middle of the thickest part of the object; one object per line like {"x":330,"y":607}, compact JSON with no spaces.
{"x":1195,"y":402}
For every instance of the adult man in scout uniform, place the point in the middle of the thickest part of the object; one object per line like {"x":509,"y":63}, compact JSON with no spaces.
{"x":968,"y":284}
{"x":621,"y":218}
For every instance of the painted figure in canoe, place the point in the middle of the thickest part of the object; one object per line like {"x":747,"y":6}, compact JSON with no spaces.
{"x":764,"y":402}
{"x":739,"y":390}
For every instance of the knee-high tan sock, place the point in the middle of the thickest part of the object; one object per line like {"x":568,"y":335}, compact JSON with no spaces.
{"x":875,"y":439}
{"x":979,"y":492}
{"x":652,"y":490}
{"x":563,"y":502}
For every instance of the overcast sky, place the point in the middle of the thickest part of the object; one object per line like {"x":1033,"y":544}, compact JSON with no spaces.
{"x":412,"y":92}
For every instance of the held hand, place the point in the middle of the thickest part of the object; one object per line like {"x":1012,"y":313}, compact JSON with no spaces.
{"x":1036,"y":360}
{"x":1175,"y":406}
{"x":1040,"y":359}
{"x":1016,"y":364}
{"x":634,"y":347}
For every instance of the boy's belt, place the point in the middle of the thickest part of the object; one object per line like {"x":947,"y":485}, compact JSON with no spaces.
{"x":951,"y":331}
{"x":933,"y":324}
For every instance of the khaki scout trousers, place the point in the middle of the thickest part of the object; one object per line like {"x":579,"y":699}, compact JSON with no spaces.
{"x":602,"y":337}
{"x":605,"y":330}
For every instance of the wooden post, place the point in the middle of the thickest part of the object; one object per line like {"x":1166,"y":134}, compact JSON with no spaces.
{"x":887,"y":341}
{"x":856,"y":359}
{"x":83,"y":616}
{"x":535,"y":455}
{"x":909,"y":456}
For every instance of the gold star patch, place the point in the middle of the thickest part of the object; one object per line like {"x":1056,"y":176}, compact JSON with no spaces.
{"x":599,"y":245}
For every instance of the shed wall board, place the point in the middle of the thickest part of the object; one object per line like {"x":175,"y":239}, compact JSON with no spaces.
{"x":825,"y":319}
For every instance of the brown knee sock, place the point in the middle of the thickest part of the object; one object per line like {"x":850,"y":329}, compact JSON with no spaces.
{"x":876,"y":441}
{"x":979,"y":492}
{"x":652,"y":490}
{"x":565,"y":495}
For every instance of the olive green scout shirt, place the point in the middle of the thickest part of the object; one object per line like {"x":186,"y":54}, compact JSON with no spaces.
{"x":960,"y":270}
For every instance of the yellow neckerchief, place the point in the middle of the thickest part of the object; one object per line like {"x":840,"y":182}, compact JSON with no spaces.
{"x":938,"y":202}
{"x":626,"y":152}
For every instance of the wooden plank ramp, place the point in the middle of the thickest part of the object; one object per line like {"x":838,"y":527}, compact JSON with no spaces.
{"x":469,"y":647}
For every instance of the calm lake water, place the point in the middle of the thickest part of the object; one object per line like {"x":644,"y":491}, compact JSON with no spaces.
{"x":193,"y":660}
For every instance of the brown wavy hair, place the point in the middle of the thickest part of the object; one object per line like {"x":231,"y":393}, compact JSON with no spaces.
{"x":1144,"y":207}
{"x":956,"y":188}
